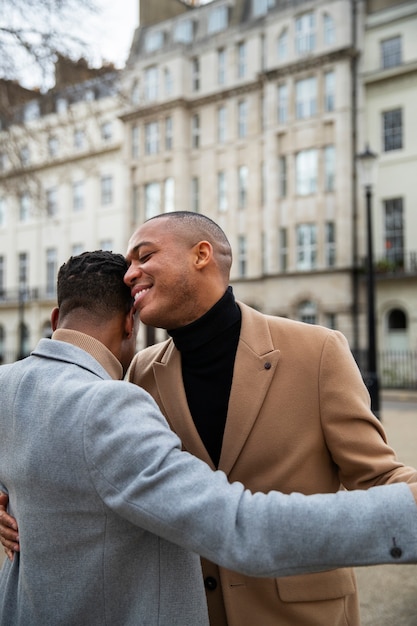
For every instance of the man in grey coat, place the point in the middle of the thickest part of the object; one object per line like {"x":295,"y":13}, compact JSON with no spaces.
{"x":112,"y":514}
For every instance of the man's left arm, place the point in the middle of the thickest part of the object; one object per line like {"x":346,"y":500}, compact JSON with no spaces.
{"x":355,"y":437}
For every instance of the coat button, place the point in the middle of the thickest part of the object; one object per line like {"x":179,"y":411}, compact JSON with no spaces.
{"x":210,"y":583}
{"x":267,"y":365}
{"x":396,"y":552}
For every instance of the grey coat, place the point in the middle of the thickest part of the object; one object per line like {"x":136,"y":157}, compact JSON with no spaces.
{"x":112,"y":514}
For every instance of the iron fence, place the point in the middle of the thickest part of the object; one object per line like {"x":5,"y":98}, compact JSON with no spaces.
{"x":397,"y":369}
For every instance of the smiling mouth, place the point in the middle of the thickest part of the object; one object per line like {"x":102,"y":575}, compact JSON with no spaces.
{"x":139,"y":295}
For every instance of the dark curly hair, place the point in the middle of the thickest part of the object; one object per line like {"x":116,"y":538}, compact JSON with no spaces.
{"x":93,"y":281}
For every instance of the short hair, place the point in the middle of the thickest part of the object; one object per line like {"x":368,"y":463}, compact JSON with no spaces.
{"x":198,"y":227}
{"x":93,"y":281}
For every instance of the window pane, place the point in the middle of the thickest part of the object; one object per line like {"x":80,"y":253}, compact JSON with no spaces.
{"x":393,"y":132}
{"x":391,"y":52}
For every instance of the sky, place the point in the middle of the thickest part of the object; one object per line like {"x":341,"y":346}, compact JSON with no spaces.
{"x":110,"y":32}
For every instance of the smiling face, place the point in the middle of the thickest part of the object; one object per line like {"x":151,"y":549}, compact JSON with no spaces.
{"x":165,"y":275}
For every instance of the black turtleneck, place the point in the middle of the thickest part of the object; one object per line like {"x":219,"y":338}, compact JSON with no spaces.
{"x":208,"y":349}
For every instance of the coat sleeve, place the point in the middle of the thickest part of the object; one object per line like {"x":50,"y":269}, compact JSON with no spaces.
{"x":355,"y":437}
{"x":140,"y":472}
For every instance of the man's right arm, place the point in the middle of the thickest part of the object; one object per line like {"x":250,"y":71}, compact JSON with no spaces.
{"x":9,"y":535}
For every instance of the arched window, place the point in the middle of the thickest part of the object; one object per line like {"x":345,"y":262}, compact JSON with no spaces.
{"x":396,"y":326}
{"x":307,"y":312}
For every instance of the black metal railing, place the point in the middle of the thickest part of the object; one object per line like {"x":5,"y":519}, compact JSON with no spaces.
{"x":397,"y":369}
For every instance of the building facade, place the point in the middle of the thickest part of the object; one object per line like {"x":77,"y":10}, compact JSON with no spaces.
{"x":251,"y":112}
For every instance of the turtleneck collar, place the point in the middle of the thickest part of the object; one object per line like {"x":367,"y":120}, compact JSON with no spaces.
{"x":224,"y":314}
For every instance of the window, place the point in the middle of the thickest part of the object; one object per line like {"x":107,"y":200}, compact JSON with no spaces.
{"x":2,"y":340}
{"x":61,"y":105}
{"x":32,"y":111}
{"x":263,"y":183}
{"x":283,"y":249}
{"x":282,"y":45}
{"x":24,"y":207}
{"x":168,"y":82}
{"x":78,"y":195}
{"x":152,"y":138}
{"x":307,"y":312}
{"x":135,"y":141}
{"x":154,"y":40}
{"x":169,"y":195}
{"x":391,"y":54}
{"x":53,"y":146}
{"x":242,"y":255}
{"x":106,"y":131}
{"x":221,"y":191}
{"x":242,"y":187}
{"x":195,"y":131}
{"x":241,"y":60}
{"x":77,"y":248}
{"x":106,"y":190}
{"x":329,"y":167}
{"x":3,"y":212}
{"x":106,"y":244}
{"x":135,"y":93}
{"x":394,"y":231}
{"x":260,"y":7}
{"x":195,"y":194}
{"x":51,"y":201}
{"x":330,"y":245}
{"x":329,"y":30}
{"x":282,"y":166}
{"x":168,"y":133}
{"x":263,"y":52}
{"x":25,"y":156}
{"x":221,"y":66}
{"x":152,"y":200}
{"x":305,"y":36}
{"x":217,"y":20}
{"x":306,"y":172}
{"x":2,"y":276}
{"x":331,"y":321}
{"x":306,"y":247}
{"x":282,"y":104}
{"x":306,"y":97}
{"x":23,"y":267}
{"x":392,"y":130}
{"x":329,"y":91}
{"x":79,"y":139}
{"x":195,"y":74}
{"x":221,"y":124}
{"x":51,"y":271}
{"x":151,"y":83}
{"x":242,"y":114}
{"x":135,"y":203}
{"x":184,"y":31}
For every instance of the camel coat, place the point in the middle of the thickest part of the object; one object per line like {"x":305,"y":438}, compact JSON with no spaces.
{"x":298,"y":420}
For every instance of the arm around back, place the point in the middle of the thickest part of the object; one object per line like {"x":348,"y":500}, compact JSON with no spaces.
{"x":138,"y":469}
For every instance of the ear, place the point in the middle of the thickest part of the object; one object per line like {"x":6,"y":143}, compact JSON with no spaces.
{"x":130,"y":323}
{"x":204,"y":254}
{"x":54,"y":318}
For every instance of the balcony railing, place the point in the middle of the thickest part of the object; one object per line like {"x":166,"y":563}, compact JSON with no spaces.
{"x":35,"y":294}
{"x":404,"y":264}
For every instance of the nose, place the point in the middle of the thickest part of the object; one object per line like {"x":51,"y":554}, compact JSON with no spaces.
{"x":131,"y":274}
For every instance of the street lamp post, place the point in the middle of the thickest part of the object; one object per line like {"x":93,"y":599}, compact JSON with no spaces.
{"x":367,"y":165}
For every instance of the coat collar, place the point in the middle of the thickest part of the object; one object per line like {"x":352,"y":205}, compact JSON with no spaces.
{"x":255,"y":365}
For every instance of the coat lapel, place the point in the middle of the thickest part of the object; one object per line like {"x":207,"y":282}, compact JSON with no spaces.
{"x":255,"y":366}
{"x":168,"y":377}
